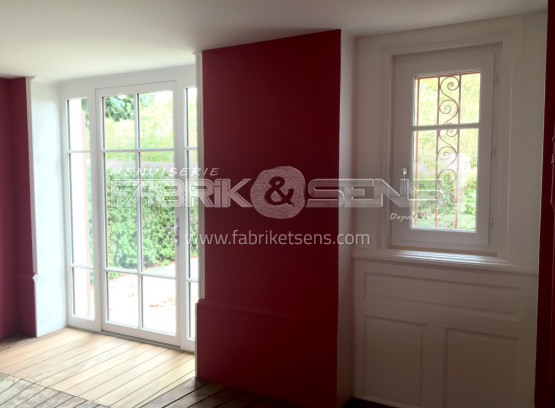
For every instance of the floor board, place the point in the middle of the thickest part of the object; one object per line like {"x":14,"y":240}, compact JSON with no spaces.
{"x":175,"y":393}
{"x":269,"y":403}
{"x":23,"y":396}
{"x":14,"y":390}
{"x":56,"y":400}
{"x":76,"y":369}
{"x":197,"y":395}
{"x":222,"y":397}
{"x":102,"y":367}
{"x":243,"y":401}
{"x":72,"y":403}
{"x":40,"y":398}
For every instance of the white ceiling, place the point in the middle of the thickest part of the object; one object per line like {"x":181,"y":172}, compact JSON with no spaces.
{"x":63,"y":39}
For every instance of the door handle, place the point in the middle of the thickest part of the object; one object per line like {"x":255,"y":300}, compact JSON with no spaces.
{"x":175,"y":230}
{"x":404,"y":187}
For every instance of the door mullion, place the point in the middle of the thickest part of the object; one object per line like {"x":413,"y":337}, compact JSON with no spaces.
{"x":180,"y":123}
{"x":139,"y":210}
{"x":99,"y":209}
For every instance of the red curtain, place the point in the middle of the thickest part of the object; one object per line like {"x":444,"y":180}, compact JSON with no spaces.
{"x":545,"y":360}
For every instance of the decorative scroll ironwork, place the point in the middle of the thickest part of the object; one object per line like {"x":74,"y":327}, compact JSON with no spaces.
{"x":448,"y":106}
{"x":447,"y":152}
{"x":448,"y":142}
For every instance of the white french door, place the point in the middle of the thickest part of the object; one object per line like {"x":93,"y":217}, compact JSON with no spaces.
{"x":141,"y":248}
{"x":132,"y":271}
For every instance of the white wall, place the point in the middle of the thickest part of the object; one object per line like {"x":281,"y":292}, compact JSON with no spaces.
{"x":47,"y":199}
{"x":346,"y":226}
{"x":450,"y":330}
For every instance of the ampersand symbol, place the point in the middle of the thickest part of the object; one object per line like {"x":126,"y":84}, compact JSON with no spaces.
{"x":275,"y":187}
{"x":279,"y":192}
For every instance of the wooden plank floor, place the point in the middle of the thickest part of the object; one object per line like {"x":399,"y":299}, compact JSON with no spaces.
{"x":197,"y":393}
{"x":74,"y":368}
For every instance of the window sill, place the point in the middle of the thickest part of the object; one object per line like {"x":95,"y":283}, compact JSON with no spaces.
{"x":456,"y":261}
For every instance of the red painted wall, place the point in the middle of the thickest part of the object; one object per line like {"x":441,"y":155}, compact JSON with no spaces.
{"x":7,"y":286}
{"x":545,"y":360}
{"x":17,"y":301}
{"x":268,"y":323}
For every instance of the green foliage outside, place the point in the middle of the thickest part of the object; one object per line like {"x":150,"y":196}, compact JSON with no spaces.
{"x":158,"y":240}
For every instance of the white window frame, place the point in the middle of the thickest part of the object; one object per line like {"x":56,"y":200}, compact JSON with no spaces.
{"x":406,"y":68}
{"x":182,"y":78}
{"x":515,"y":137}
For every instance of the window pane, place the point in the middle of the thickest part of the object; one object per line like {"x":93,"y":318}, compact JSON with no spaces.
{"x":192,"y":128}
{"x":158,"y":213}
{"x":83,"y":292}
{"x":81,"y":208}
{"x":445,"y":171}
{"x":156,"y":119}
{"x":79,"y":134}
{"x":447,"y":99}
{"x":159,"y":306}
{"x":470,"y":98}
{"x":426,"y":101}
{"x":123,"y":299}
{"x":119,"y":122}
{"x":121,"y":210}
{"x":193,"y":299}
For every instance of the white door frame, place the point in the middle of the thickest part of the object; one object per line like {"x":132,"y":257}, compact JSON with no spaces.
{"x":180,"y":255}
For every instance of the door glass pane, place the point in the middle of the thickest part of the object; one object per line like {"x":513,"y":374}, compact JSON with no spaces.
{"x":121,"y":210}
{"x":83,"y":292}
{"x":193,"y":239}
{"x":158,"y":213}
{"x":123,"y":298}
{"x":193,"y":211}
{"x":156,"y":119}
{"x":193,"y":169}
{"x":119,"y":122}
{"x":78,"y":113}
{"x":159,"y":305}
{"x":81,"y":208}
{"x":192,"y":128}
{"x":193,"y":299}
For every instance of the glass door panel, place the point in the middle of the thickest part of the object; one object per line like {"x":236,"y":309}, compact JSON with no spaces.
{"x":119,"y":122}
{"x":158,"y":218}
{"x":121,"y":210}
{"x":123,"y":298}
{"x":156,"y":120}
{"x":159,"y":304}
